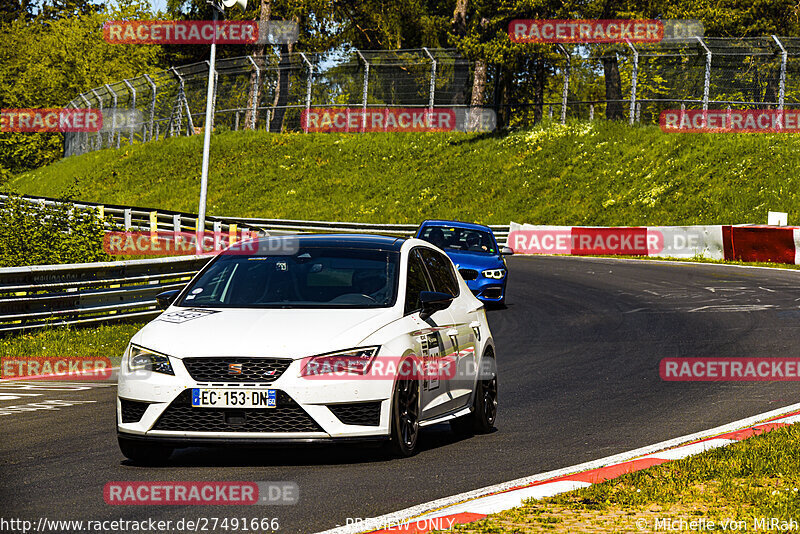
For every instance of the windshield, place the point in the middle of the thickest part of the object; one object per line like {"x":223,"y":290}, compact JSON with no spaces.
{"x":311,"y":278}
{"x":448,"y":237}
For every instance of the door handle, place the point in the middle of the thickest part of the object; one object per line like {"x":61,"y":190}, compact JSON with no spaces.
{"x":452,"y":333}
{"x":476,"y":327}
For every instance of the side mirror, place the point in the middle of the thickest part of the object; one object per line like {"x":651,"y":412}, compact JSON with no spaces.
{"x":506,"y":251}
{"x":164,"y":299}
{"x":433,"y":301}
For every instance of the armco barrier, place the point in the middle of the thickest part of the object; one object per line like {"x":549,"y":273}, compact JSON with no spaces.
{"x":84,"y":293}
{"x":38,"y":296}
{"x":721,"y":242}
{"x":148,"y":219}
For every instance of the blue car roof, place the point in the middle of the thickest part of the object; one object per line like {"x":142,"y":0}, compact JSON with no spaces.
{"x":455,"y":224}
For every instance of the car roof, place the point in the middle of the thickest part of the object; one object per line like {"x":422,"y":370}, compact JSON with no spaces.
{"x":456,"y":224}
{"x":362,"y":241}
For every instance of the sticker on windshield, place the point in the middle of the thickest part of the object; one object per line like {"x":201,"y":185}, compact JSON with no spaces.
{"x":185,"y":315}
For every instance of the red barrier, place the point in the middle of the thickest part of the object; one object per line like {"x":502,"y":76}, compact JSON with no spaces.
{"x":759,"y":243}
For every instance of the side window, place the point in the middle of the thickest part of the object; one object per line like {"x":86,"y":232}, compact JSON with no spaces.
{"x":417,"y":282}
{"x":441,"y":271}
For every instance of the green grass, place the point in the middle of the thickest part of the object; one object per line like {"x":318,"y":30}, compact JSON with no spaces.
{"x":87,"y":342}
{"x":597,"y":173}
{"x":752,"y":479}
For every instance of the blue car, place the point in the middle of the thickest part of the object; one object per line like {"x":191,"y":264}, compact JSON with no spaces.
{"x":474,"y":250}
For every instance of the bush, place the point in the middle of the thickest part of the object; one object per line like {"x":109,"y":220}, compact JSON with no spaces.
{"x":36,"y":234}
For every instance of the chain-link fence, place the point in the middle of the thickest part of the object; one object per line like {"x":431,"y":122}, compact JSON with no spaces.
{"x":622,"y":81}
{"x":269,"y":92}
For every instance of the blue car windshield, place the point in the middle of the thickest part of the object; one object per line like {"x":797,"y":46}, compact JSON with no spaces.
{"x":311,"y":278}
{"x":463,"y":239}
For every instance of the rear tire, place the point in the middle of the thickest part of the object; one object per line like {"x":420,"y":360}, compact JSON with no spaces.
{"x":404,"y":431}
{"x":144,"y":453}
{"x":484,"y":406}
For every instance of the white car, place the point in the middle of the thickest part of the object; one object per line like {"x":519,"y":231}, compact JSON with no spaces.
{"x":310,"y":338}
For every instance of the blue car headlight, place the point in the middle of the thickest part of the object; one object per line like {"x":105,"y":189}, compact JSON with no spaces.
{"x":497,"y":274}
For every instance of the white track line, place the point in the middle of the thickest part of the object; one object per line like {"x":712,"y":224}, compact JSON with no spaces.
{"x":685,"y":263}
{"x":407,"y":514}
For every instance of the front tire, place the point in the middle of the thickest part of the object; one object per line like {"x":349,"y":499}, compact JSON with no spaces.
{"x":405,"y":417}
{"x":144,"y":453}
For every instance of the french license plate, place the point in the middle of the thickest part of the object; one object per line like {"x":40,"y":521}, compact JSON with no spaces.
{"x":233,"y":398}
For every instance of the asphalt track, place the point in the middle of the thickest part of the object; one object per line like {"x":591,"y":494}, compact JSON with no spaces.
{"x":578,"y":351}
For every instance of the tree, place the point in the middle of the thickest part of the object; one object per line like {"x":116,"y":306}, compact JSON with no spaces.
{"x":46,"y":63}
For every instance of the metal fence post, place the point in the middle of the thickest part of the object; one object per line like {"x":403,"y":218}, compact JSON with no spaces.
{"x":256,"y":92}
{"x":99,"y":135}
{"x":566,"y":83}
{"x":433,"y":78}
{"x":114,"y":115}
{"x":88,"y":105}
{"x":308,"y":87}
{"x":178,"y":103}
{"x":180,"y":98}
{"x":707,"y":82}
{"x":133,"y":107}
{"x":782,"y":80}
{"x":634,"y":79}
{"x":366,"y":88}
{"x":152,"y":106}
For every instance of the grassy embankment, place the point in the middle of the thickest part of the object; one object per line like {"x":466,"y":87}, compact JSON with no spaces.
{"x":595,"y":173}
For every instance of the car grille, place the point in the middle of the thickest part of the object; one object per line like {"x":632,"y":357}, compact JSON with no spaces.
{"x":132,"y":411}
{"x":287,"y":416}
{"x":468,"y":274}
{"x":252,"y":369}
{"x":360,"y":413}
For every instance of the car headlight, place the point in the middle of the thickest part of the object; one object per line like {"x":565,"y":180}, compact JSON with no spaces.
{"x":355,"y":361}
{"x":497,"y":274}
{"x":141,"y":359}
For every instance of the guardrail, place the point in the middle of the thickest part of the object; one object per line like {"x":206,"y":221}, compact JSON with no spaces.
{"x":83,"y":293}
{"x":45,"y":295}
{"x":149,"y":219}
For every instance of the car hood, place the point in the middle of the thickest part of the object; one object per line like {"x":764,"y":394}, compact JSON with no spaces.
{"x":475,"y":260}
{"x":294,"y":333}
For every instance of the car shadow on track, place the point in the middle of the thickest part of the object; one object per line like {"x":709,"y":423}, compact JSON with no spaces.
{"x":430,"y":439}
